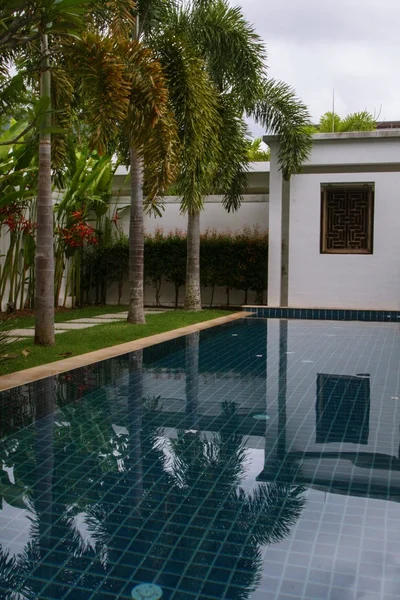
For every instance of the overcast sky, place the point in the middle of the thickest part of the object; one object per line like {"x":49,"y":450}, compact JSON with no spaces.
{"x":352,"y":46}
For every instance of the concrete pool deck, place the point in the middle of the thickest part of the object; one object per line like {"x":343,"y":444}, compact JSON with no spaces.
{"x":75,"y":362}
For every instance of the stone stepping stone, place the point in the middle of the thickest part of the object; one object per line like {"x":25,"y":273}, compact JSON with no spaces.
{"x":93,"y":320}
{"x":11,"y":340}
{"x":21,"y":333}
{"x":113,"y":316}
{"x":68,"y":326}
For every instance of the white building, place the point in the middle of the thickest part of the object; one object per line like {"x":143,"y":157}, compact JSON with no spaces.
{"x":334,"y":237}
{"x":334,"y":228}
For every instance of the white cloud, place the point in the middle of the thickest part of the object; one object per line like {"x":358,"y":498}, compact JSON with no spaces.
{"x":352,"y":46}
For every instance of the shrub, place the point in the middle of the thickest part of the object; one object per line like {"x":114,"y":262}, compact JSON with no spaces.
{"x":235,"y":261}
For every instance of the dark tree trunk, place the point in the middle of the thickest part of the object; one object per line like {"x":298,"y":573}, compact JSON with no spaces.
{"x":136,"y":243}
{"x":44,"y":265}
{"x":192,"y":287}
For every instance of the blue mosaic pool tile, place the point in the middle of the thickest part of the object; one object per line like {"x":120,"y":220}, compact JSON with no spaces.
{"x":159,"y":472}
{"x":324,"y":314}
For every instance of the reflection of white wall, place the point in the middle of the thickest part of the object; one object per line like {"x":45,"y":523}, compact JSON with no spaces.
{"x":341,"y":548}
{"x":338,"y":349}
{"x":213,"y":390}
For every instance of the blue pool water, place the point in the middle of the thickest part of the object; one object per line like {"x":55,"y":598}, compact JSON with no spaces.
{"x":254,"y":461}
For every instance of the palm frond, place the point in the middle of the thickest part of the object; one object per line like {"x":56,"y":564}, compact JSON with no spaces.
{"x":195,"y":101}
{"x":282,"y":113}
{"x":154,"y":13}
{"x":233,"y":165}
{"x":271,"y":510}
{"x":103,"y":82}
{"x":234,"y":52}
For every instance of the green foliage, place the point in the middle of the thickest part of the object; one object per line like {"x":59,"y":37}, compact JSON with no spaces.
{"x":358,"y":121}
{"x":282,"y":113}
{"x":176,"y":249}
{"x":5,"y":327}
{"x":156,"y":261}
{"x":235,"y":261}
{"x":329,"y":122}
{"x":256,"y":153}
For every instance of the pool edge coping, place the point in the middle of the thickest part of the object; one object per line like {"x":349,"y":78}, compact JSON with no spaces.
{"x":32,"y":374}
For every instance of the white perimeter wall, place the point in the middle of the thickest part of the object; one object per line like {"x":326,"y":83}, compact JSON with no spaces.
{"x":253,"y":212}
{"x":344,"y":280}
{"x":340,"y":280}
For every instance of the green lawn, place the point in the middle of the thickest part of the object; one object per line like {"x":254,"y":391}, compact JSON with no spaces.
{"x":81,"y":341}
{"x":67,"y":315}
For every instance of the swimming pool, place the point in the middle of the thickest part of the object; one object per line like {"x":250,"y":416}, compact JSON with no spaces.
{"x":257,"y":460}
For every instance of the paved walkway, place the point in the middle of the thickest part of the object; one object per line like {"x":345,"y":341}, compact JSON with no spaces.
{"x":82,"y":323}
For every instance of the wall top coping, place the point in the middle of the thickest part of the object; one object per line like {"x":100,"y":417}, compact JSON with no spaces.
{"x":254,"y":167}
{"x":377,"y":134}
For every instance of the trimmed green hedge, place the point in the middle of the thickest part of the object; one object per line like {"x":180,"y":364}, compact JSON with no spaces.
{"x":235,"y":261}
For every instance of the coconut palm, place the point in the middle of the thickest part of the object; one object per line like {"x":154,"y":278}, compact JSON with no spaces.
{"x":117,"y":85}
{"x":233,"y":60}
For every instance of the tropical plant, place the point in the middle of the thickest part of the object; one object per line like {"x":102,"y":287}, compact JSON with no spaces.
{"x":117,"y":85}
{"x":25,"y":24}
{"x":256,"y":152}
{"x":358,"y":121}
{"x":85,"y":201}
{"x":18,"y":187}
{"x":148,"y":144}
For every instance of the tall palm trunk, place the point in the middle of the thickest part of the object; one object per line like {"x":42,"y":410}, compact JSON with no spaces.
{"x":136,"y":242}
{"x":192,"y":287}
{"x":136,"y":231}
{"x":44,"y":275}
{"x":135,"y":401}
{"x":43,"y":487}
{"x":192,"y":351}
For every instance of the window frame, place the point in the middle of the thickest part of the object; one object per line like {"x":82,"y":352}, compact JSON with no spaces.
{"x":325,"y":189}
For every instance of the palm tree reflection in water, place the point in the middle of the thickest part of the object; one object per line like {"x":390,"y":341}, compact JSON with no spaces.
{"x":168,"y":511}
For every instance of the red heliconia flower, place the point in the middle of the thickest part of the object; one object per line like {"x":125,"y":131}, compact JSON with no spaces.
{"x":78,"y":215}
{"x":11,"y":223}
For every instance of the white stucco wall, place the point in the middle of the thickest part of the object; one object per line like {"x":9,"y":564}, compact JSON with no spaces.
{"x":253,"y":212}
{"x":344,"y":280}
{"x":338,"y":280}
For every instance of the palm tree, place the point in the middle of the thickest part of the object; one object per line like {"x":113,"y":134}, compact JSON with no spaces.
{"x":232,"y":56}
{"x":188,"y":91}
{"x":38,"y":22}
{"x":57,"y":20}
{"x":117,"y":85}
{"x":44,"y":280}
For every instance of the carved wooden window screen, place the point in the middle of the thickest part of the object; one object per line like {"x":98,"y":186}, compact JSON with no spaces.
{"x":347,"y":219}
{"x":342,"y":409}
